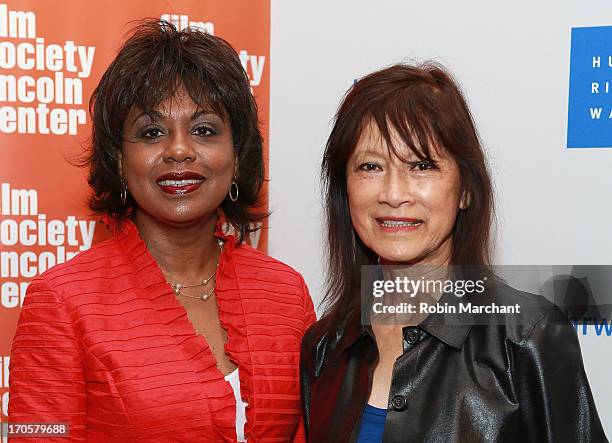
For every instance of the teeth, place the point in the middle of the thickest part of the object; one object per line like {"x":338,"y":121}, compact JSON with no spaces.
{"x":178,"y":182}
{"x":397,"y":223}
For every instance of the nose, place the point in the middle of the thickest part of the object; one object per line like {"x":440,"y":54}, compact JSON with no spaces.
{"x":179,"y":149}
{"x":397,"y":189}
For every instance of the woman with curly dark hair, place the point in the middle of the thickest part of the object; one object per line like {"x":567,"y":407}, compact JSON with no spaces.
{"x":172,"y":330}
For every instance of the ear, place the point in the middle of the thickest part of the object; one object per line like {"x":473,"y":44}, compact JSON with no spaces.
{"x":464,"y":201}
{"x":235,"y":166}
{"x":120,"y":163}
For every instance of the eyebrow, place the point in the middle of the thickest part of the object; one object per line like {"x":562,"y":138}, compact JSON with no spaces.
{"x":156,"y":115}
{"x":410,"y":158}
{"x":153,"y":115}
{"x":368,"y":153}
{"x":201,"y":112}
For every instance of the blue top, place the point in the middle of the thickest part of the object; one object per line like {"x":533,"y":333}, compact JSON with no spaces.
{"x":372,"y":425}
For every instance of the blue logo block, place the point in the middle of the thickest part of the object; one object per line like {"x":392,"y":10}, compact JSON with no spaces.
{"x":589,"y":120}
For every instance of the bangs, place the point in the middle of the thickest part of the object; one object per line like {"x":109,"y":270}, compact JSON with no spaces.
{"x":158,"y":60}
{"x":173,"y":70}
{"x":404,"y":118}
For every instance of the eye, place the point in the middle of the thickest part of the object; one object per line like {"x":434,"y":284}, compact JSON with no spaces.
{"x":204,"y":131}
{"x":151,"y":133}
{"x":369,"y":167}
{"x":423,"y":165}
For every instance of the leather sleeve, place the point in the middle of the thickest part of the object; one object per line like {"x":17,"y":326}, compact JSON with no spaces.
{"x":306,"y":377}
{"x":47,"y":382}
{"x":309,"y":319}
{"x":555,"y":398}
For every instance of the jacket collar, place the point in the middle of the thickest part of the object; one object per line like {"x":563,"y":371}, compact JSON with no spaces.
{"x":450,"y":329}
{"x":133,"y":245}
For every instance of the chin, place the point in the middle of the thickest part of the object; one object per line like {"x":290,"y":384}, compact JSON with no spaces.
{"x":180,"y":218}
{"x":398,"y":257}
{"x":397,"y":251}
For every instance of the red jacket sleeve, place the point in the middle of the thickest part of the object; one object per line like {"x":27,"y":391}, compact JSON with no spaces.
{"x":46,"y":382}
{"x":309,"y":319}
{"x":309,"y":312}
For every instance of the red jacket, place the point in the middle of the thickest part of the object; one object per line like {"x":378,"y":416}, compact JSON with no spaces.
{"x":103,"y":344}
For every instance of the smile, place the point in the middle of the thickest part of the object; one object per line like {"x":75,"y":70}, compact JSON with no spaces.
{"x":179,"y":183}
{"x":395,"y":225}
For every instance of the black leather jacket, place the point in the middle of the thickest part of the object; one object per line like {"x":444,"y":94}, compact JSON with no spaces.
{"x":519,"y":381}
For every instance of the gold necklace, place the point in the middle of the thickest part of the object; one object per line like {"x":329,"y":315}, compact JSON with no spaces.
{"x":178,"y":287}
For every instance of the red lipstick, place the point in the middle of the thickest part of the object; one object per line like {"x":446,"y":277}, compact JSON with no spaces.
{"x":180,"y":182}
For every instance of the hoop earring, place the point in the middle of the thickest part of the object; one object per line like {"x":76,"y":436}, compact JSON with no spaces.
{"x":233,"y":192}
{"x":124,"y":192}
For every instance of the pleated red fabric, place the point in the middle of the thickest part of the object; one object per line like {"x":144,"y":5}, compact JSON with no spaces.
{"x":103,"y":344}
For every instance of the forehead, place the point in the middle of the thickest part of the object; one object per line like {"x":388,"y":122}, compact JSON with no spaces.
{"x":177,"y":106}
{"x":179,"y":99}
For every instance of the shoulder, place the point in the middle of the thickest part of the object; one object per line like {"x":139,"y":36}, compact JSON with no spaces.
{"x":537,"y":314}
{"x":101,"y":253}
{"x":322,"y":340}
{"x":261,"y":277}
{"x":318,"y":334}
{"x":88,"y":271}
{"x":253,"y":263}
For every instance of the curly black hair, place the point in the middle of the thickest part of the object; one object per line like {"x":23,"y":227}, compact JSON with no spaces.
{"x":152,"y":64}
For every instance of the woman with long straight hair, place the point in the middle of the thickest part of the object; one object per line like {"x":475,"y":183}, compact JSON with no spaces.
{"x":407,"y":188}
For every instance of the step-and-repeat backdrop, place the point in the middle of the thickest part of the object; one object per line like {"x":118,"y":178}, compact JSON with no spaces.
{"x":538,"y":81}
{"x":52,"y":54}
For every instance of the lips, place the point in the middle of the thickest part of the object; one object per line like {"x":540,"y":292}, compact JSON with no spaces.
{"x":180,"y":182}
{"x":398,"y":224}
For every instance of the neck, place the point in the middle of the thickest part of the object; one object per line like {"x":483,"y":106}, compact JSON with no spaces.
{"x":429,"y":271}
{"x":417,"y":284}
{"x":184,"y":253}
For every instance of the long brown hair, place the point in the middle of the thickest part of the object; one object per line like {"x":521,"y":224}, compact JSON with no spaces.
{"x":423,"y":104}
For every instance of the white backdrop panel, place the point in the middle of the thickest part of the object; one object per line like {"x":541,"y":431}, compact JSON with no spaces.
{"x":512,"y":60}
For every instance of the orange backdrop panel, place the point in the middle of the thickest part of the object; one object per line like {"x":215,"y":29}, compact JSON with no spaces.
{"x":52,"y":54}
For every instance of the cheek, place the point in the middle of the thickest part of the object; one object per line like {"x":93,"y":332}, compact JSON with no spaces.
{"x":222,"y":176}
{"x":136,"y":163}
{"x":222,"y":160}
{"x":229,"y":165}
{"x":362,"y":199}
{"x":442,"y":202}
